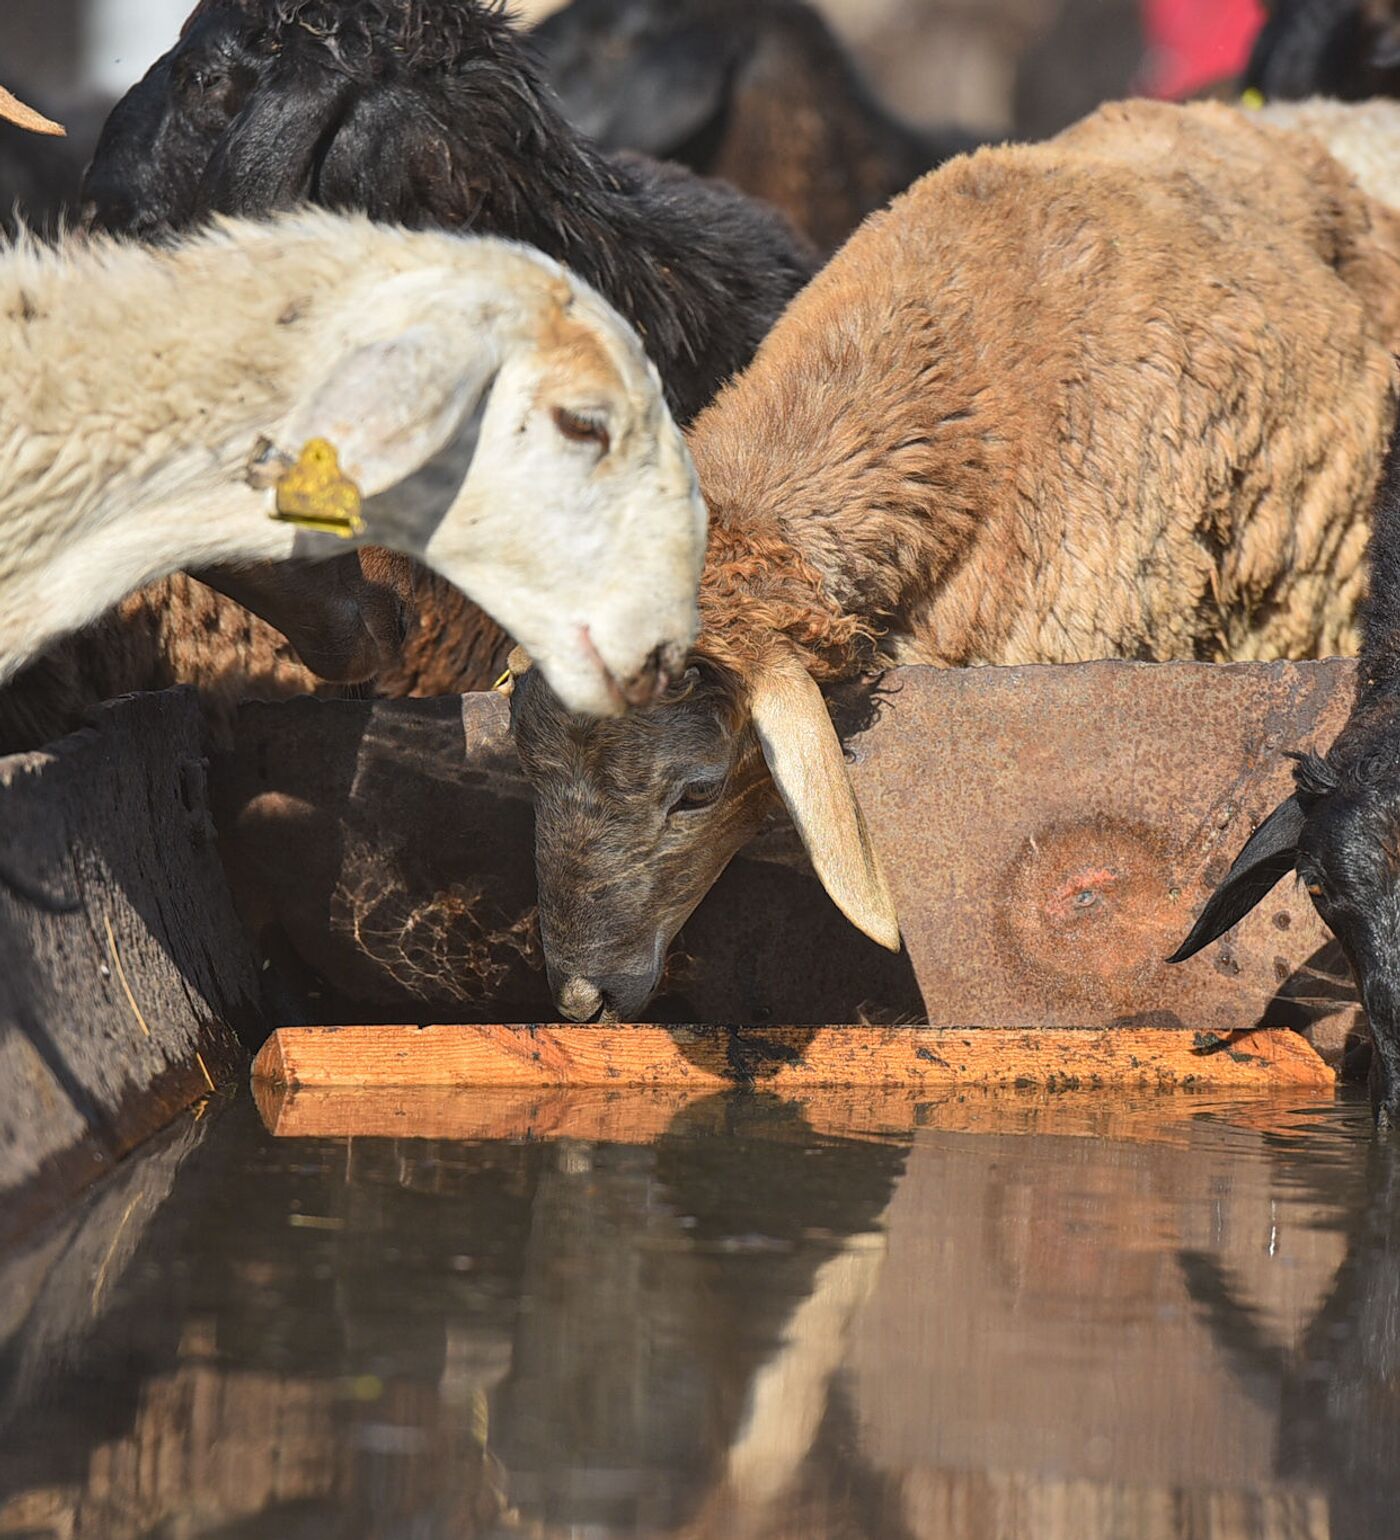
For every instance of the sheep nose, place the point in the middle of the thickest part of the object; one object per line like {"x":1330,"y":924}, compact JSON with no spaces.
{"x":580,"y":1000}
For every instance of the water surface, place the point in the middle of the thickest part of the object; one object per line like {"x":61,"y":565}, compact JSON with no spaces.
{"x":997,"y":1319}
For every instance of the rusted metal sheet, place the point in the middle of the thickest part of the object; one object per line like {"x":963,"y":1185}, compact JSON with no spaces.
{"x":1051,"y":833}
{"x":124,"y":975}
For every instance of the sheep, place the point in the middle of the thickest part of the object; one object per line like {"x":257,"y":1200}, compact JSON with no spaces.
{"x":759,"y":92}
{"x":466,"y":400}
{"x":1124,"y":394}
{"x":334,"y":624}
{"x":430,"y":112}
{"x":1363,"y":136}
{"x":1338,"y":830}
{"x":1343,"y":48}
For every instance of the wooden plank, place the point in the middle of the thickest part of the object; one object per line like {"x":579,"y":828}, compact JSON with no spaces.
{"x":785,"y":1060}
{"x":642,"y":1115}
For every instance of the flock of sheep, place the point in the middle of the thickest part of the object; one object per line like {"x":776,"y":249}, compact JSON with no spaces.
{"x":1126,"y":393}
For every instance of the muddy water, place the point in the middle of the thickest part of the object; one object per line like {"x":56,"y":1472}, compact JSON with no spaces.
{"x":1002,"y":1319}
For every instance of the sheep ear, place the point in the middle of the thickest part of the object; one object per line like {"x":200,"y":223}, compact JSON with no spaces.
{"x":808,"y":767}
{"x":1272,"y":852}
{"x":391,"y":407}
{"x":12,"y":110}
{"x":268,"y":156}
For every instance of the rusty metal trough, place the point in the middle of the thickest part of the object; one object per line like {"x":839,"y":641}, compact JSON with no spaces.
{"x":1050,"y":834}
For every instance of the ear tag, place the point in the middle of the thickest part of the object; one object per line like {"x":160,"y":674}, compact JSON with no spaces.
{"x":1253,"y":99}
{"x":316,"y":494}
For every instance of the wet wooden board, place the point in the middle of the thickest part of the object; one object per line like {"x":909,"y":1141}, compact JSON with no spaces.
{"x":642,"y":1115}
{"x":785,"y":1060}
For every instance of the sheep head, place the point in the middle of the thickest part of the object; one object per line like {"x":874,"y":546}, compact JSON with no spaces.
{"x":371,"y":104}
{"x":1340,"y":832}
{"x":636,"y":819}
{"x":507,"y":428}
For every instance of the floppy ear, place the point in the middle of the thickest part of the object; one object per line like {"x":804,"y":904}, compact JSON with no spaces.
{"x":808,"y":767}
{"x":267,"y":158}
{"x":12,"y":110}
{"x":391,"y":407}
{"x":1269,"y":856}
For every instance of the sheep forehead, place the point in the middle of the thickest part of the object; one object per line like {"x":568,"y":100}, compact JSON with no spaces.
{"x":572,"y":760}
{"x":586,"y":350}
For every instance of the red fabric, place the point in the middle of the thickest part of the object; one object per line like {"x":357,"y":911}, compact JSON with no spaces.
{"x":1193,"y":43}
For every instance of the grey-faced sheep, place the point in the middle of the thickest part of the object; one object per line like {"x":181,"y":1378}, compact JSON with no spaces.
{"x":1343,"y":48}
{"x":490,"y":414}
{"x":1125,"y":394}
{"x":430,"y":112}
{"x":759,"y":92}
{"x":1340,"y":830}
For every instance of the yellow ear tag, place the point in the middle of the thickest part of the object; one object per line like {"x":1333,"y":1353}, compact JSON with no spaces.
{"x":505,"y":684}
{"x":1253,"y":99}
{"x":316,"y":494}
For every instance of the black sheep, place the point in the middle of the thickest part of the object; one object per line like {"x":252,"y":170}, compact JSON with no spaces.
{"x":1340,"y":830}
{"x":759,"y":92}
{"x":430,"y":112}
{"x":1344,"y":48}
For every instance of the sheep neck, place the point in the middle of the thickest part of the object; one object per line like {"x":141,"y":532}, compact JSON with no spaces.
{"x":847,"y":476}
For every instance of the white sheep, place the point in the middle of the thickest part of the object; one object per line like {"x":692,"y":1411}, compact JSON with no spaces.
{"x":1363,"y":136}
{"x":490,"y":413}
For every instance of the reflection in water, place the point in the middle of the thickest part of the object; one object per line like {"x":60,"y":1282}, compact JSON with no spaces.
{"x":981,"y":1319}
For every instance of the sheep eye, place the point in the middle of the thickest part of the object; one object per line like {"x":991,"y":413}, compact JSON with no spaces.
{"x":581,"y":428}
{"x":698,"y":794}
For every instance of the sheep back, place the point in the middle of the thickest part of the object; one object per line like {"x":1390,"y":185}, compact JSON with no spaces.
{"x":1156,"y":349}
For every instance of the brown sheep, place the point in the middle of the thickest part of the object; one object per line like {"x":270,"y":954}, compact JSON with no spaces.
{"x":1125,"y":394}
{"x":374,"y":620}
